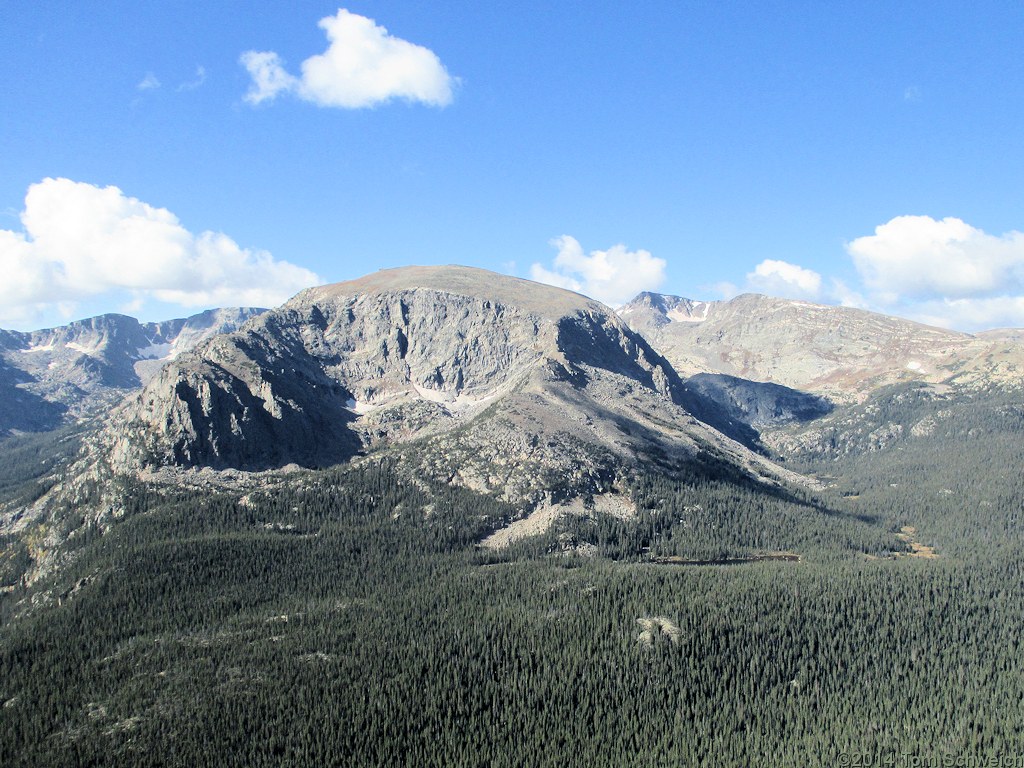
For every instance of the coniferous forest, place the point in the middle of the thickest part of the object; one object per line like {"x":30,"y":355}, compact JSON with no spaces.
{"x":347,"y":617}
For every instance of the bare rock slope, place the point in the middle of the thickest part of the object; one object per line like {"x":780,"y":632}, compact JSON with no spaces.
{"x":837,"y":352}
{"x":500,"y":384}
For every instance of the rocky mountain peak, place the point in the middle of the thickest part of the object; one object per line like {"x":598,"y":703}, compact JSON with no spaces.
{"x":658,"y":309}
{"x":504,"y":384}
{"x":544,"y":301}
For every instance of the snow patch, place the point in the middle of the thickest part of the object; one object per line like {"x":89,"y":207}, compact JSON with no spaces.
{"x":432,"y":395}
{"x":83,"y":348}
{"x":359,"y":407}
{"x":682,"y":317}
{"x":461,"y":402}
{"x":913,"y":365}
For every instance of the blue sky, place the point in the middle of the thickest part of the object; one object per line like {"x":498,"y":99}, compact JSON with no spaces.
{"x":859,"y":153}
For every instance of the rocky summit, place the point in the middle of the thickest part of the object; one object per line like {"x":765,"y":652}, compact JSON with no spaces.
{"x":495,"y":383}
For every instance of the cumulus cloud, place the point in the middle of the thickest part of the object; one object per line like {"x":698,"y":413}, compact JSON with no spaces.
{"x":780,"y":278}
{"x":972,"y":314}
{"x":943,"y":272}
{"x":918,"y":257}
{"x":363,"y":66}
{"x":614,"y":276}
{"x":81,"y":241}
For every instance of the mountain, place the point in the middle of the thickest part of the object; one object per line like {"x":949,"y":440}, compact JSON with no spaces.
{"x":837,"y":352}
{"x":510,"y":510}
{"x":53,"y":375}
{"x":495,"y":383}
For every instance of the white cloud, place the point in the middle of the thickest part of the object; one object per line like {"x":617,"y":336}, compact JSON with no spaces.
{"x":918,"y":257}
{"x":363,"y":66}
{"x":846,"y":296}
{"x":81,"y":241}
{"x":972,"y":314}
{"x":614,"y":276}
{"x":268,"y":76}
{"x":780,"y":278}
{"x":943,"y":272}
{"x":148,"y":83}
{"x":196,"y":81}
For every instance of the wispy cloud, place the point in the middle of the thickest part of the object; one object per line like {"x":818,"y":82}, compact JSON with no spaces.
{"x":197,"y":80}
{"x":613,"y":276}
{"x":148,"y":83}
{"x":363,"y":66}
{"x":81,"y":241}
{"x":912,"y":93}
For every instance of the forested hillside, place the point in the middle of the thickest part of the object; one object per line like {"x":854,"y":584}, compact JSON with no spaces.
{"x":347,"y":618}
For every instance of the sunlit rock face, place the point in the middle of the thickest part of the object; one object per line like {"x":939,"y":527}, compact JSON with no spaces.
{"x":837,"y":352}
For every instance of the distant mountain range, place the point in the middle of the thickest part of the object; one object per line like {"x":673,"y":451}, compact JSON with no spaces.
{"x":521,"y":391}
{"x":50,"y":376}
{"x":418,"y":351}
{"x":838,"y":352}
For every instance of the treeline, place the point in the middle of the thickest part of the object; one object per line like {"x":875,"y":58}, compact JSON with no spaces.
{"x":707,"y":519}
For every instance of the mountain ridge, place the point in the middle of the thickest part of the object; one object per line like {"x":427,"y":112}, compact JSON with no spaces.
{"x":55,"y":374}
{"x":841,"y":353}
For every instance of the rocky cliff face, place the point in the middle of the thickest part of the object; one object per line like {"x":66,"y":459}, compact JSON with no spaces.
{"x":50,"y":375}
{"x":496,"y":383}
{"x":759,"y":404}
